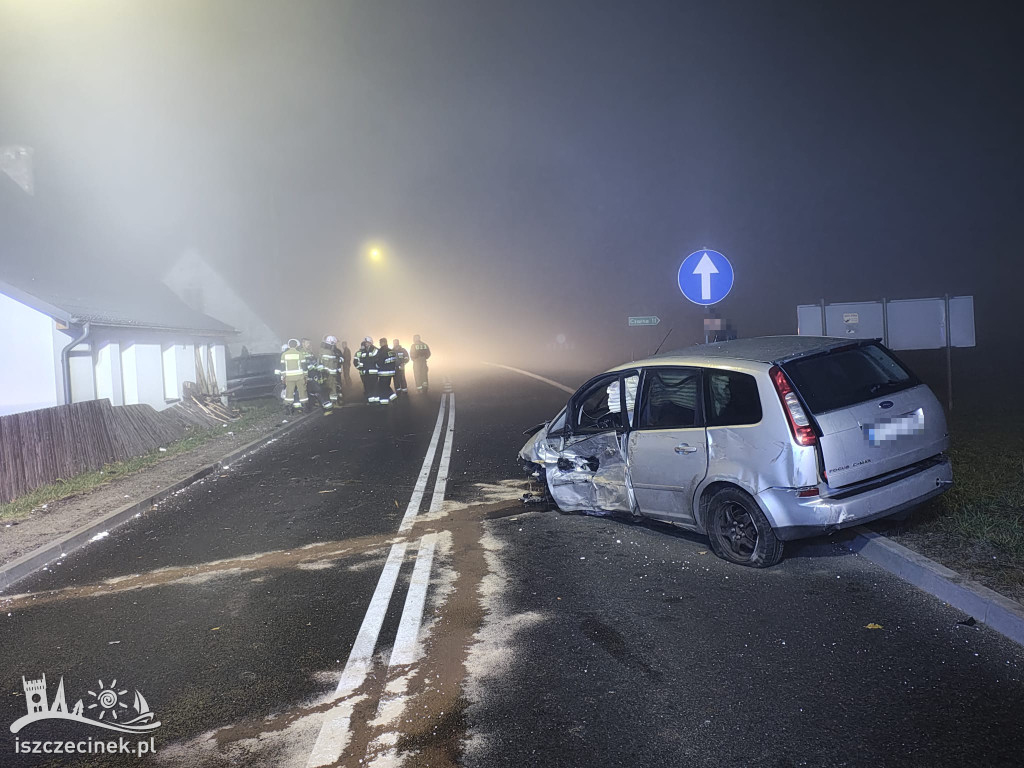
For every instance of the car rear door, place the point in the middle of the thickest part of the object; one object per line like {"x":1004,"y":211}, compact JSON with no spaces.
{"x":875,"y":416}
{"x":590,"y":473}
{"x":667,"y":447}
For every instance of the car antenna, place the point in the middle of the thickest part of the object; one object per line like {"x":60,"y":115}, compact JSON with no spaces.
{"x":663,"y":341}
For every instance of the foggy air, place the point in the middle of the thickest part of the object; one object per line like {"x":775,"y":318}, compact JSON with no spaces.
{"x":725,"y":294}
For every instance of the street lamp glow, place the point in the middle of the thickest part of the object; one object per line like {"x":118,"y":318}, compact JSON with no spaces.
{"x":375,"y":254}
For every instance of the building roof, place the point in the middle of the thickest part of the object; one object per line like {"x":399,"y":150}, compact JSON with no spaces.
{"x":138,"y":303}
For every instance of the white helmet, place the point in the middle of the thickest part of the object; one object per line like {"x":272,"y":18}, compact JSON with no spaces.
{"x":368,"y":340}
{"x":332,"y":340}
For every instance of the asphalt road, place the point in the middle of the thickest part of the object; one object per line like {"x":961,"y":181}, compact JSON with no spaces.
{"x":546,"y":639}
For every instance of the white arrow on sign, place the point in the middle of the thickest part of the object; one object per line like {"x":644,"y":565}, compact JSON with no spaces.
{"x":705,"y":268}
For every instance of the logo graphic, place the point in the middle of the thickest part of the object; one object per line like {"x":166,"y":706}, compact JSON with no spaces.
{"x":885,"y":404}
{"x":106,"y":706}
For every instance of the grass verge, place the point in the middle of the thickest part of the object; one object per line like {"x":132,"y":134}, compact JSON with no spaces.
{"x":62,"y":489}
{"x":977,"y":527}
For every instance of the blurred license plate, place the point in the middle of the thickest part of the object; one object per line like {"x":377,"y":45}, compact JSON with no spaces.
{"x":895,"y":428}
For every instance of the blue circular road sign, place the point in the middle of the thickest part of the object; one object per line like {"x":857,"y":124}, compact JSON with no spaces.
{"x":705,"y":277}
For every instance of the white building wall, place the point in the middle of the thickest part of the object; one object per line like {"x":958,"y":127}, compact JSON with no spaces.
{"x":169,"y":355}
{"x":129,"y":375}
{"x":83,"y":374}
{"x":143,"y":375}
{"x":108,"y":372}
{"x":125,"y":366}
{"x":220,"y":364}
{"x":27,"y":376}
{"x":186,"y":363}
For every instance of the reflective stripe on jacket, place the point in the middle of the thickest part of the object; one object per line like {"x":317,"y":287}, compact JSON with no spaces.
{"x":385,"y":362}
{"x":291,"y":362}
{"x":366,"y":360}
{"x":328,"y":360}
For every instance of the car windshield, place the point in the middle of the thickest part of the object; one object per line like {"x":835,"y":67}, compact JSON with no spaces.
{"x":848,"y":376}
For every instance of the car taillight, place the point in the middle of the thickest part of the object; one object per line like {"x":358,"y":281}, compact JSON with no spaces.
{"x":799,"y":424}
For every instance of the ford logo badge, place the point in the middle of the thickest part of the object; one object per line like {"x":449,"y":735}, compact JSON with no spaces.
{"x":885,"y":404}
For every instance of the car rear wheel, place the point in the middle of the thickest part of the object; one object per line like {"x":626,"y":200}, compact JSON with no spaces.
{"x":739,"y":531}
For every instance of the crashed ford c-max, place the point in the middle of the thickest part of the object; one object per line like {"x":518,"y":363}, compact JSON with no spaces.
{"x":751,"y":442}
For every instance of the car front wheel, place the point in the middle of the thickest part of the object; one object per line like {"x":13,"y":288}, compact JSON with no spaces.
{"x":739,"y":531}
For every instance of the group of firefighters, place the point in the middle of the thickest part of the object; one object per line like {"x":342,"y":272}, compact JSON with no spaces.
{"x":305,"y":371}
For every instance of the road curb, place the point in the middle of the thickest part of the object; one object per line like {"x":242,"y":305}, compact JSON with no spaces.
{"x":1004,"y":615}
{"x":32,"y":561}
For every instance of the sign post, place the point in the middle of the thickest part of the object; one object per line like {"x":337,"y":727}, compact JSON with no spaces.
{"x":949,"y":354}
{"x":705,"y":278}
{"x":934,"y":323}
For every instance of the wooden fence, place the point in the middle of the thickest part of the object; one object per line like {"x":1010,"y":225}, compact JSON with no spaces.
{"x":40,"y":447}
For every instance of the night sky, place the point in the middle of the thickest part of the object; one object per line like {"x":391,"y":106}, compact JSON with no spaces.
{"x":528,"y":168}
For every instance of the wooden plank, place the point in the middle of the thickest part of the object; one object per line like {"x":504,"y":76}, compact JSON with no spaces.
{"x":63,"y":444}
{"x":13,"y":462}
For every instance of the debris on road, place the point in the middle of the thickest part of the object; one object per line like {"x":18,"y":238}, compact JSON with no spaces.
{"x":872,"y":625}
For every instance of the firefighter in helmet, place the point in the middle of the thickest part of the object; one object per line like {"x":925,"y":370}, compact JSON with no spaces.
{"x":293,"y":374}
{"x":385,"y":373}
{"x":366,"y":364}
{"x":330,"y":367}
{"x":419,"y":354}
{"x":401,"y":360}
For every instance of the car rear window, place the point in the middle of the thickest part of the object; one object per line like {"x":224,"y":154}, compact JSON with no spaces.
{"x":848,"y":376}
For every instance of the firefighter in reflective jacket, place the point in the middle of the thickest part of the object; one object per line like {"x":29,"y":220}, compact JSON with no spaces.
{"x":330,"y":367}
{"x":293,"y":375}
{"x":308,"y":355}
{"x":366,"y":364}
{"x":401,"y":360}
{"x":386,"y":361}
{"x":419,"y":354}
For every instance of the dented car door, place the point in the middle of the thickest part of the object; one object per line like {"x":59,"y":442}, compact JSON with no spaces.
{"x":591,"y":473}
{"x":668,"y":456}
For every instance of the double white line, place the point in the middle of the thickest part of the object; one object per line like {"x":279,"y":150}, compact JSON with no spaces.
{"x":336,"y":729}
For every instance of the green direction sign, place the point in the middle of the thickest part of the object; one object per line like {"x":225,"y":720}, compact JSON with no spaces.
{"x":651,"y":320}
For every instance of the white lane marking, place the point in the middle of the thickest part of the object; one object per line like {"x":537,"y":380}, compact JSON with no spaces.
{"x":437,"y":500}
{"x":406,"y":648}
{"x":336,"y":729}
{"x":408,"y":643}
{"x":421,"y":481}
{"x":334,"y":733}
{"x":532,"y":376}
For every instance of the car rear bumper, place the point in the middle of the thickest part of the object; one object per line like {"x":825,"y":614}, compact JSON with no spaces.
{"x":793,"y":517}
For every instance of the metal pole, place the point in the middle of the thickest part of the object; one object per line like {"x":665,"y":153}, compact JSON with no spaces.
{"x":949,"y":359}
{"x":885,"y":322}
{"x":824,"y":323}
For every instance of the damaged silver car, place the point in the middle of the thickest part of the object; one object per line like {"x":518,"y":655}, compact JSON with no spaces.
{"x":751,"y":442}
